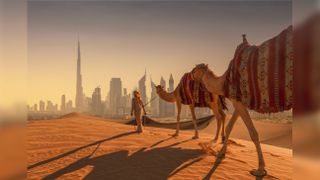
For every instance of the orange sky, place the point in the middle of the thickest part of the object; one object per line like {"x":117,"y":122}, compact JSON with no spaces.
{"x":121,"y":39}
{"x":13,"y":53}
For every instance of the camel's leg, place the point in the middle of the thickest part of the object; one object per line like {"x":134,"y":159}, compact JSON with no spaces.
{"x":229,"y":128}
{"x":223,"y":118}
{"x":178,"y":103}
{"x":194,"y":121}
{"x":218,"y":116}
{"x":243,"y":112}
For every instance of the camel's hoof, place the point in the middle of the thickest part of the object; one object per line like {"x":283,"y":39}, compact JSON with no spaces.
{"x":223,"y":138}
{"x":221,"y":155}
{"x":258,"y":173}
{"x":195,"y":137}
{"x":214,"y":140}
{"x":175,"y":134}
{"x":139,"y":131}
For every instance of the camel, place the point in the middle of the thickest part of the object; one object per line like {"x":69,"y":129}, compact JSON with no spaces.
{"x":216,"y":106}
{"x":217,"y":85}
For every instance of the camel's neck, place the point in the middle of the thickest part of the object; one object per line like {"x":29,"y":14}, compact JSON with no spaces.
{"x":169,"y":97}
{"x":213,"y":83}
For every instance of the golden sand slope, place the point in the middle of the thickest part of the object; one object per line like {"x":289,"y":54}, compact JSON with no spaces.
{"x":77,"y":147}
{"x":276,"y":134}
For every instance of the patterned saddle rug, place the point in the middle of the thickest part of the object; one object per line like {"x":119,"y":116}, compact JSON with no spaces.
{"x":194,"y":91}
{"x":261,"y":77}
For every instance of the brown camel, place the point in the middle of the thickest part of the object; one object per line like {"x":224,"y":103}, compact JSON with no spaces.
{"x":216,"y":106}
{"x":265,"y":98}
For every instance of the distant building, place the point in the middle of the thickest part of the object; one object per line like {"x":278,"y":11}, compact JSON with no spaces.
{"x":166,"y":109}
{"x":79,"y":89}
{"x":35,"y":107}
{"x":142,"y":88}
{"x":41,"y":106}
{"x":126,"y":101}
{"x":63,"y":103}
{"x":50,"y":106}
{"x":115,"y":94}
{"x":86,"y":103}
{"x":154,"y":104}
{"x":162,"y":103}
{"x":55,"y":108}
{"x":96,"y":104}
{"x":125,"y":92}
{"x":69,"y":107}
{"x":170,"y":107}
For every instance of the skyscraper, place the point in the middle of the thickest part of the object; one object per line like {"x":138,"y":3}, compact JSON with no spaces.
{"x":50,"y":106}
{"x":96,"y":104}
{"x":142,"y":88}
{"x":63,"y":103}
{"x":171,"y":83}
{"x":79,"y":90}
{"x":35,"y":107}
{"x":115,"y":95}
{"x":154,"y":104}
{"x":69,"y":107}
{"x":162,"y":103}
{"x":170,"y":108}
{"x":126,"y":102}
{"x":41,"y":106}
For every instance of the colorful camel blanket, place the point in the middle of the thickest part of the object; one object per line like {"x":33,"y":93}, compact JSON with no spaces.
{"x":192,"y":91}
{"x":261,"y":76}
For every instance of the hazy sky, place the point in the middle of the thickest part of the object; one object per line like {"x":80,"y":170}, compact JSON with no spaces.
{"x":121,"y":39}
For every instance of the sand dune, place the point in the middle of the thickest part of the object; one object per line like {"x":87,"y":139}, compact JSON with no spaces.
{"x":77,"y":147}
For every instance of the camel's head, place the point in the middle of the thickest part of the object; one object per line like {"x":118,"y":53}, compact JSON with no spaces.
{"x":159,"y":89}
{"x":199,"y":71}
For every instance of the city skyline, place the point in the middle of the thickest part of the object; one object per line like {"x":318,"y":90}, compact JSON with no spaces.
{"x":116,"y":104}
{"x":121,"y":39}
{"x":119,"y":91}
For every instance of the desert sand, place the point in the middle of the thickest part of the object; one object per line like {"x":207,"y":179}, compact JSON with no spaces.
{"x":276,"y":134}
{"x":78,"y":146}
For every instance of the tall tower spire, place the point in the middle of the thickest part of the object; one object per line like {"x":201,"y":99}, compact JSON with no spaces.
{"x":171,"y":83}
{"x":79,"y":90}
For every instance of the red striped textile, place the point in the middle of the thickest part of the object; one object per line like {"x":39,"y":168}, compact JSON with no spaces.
{"x":192,"y":91}
{"x":261,"y":76}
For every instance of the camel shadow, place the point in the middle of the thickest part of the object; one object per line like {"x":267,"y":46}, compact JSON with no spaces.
{"x":218,"y":162}
{"x":156,"y":163}
{"x":161,"y":141}
{"x":213,"y":169}
{"x":78,"y":149}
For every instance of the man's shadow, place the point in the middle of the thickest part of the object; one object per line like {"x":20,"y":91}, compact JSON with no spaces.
{"x":156,"y":163}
